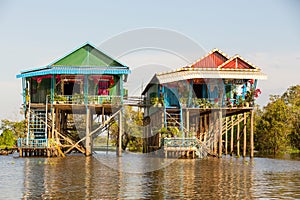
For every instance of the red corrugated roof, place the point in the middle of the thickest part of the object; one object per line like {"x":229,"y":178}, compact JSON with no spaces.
{"x":236,"y":63}
{"x":212,"y":60}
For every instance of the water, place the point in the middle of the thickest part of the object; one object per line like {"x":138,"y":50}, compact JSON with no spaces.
{"x":106,"y":177}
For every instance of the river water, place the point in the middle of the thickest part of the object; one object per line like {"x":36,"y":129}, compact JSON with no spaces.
{"x":105,"y":176}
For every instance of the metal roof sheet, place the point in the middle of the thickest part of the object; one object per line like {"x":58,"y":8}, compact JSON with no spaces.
{"x":76,"y":70}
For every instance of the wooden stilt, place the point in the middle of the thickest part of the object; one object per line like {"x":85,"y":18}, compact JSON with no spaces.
{"x":200,"y":128}
{"x":238,"y":137}
{"x":119,"y":152}
{"x":251,"y":135}
{"x":231,"y":136}
{"x":216,"y":133}
{"x":205,"y":128}
{"x":20,"y":152}
{"x":88,"y":140}
{"x":226,"y":135}
{"x":53,"y":121}
{"x":187,"y":122}
{"x":245,"y":135}
{"x":220,"y":133}
{"x":57,"y":125}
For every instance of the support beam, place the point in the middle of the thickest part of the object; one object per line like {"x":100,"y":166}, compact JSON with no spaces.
{"x":53,"y":121}
{"x":88,"y":140}
{"x":226,"y":135}
{"x":251,"y":135}
{"x":119,"y":149}
{"x":57,"y":125}
{"x":238,"y":136}
{"x":205,"y":128}
{"x":215,"y":120}
{"x":220,"y":133}
{"x":187,"y":122}
{"x":231,"y":136}
{"x":245,"y":135}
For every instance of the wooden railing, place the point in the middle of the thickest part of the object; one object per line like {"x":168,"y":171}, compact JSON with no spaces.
{"x":91,"y":99}
{"x":179,"y":142}
{"x":32,"y":143}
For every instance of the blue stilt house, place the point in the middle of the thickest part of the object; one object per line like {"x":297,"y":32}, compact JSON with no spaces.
{"x":84,"y":81}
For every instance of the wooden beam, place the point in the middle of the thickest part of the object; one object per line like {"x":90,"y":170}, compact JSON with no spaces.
{"x":245,"y":134}
{"x":88,"y":140}
{"x":205,"y":128}
{"x":187,"y":122}
{"x":251,"y":135}
{"x":226,"y":135}
{"x":215,"y":131}
{"x":231,"y":136}
{"x":220,"y":133}
{"x":119,"y":152}
{"x":238,"y":137}
{"x":53,"y":121}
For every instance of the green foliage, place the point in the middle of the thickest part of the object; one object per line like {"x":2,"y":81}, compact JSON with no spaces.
{"x":133,"y":130}
{"x":277,"y":125}
{"x":7,"y":139}
{"x":10,"y":132}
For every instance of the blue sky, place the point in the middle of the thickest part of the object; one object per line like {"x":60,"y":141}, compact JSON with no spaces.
{"x":34,"y":33}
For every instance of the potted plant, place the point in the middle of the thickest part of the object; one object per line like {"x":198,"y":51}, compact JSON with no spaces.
{"x":59,"y":99}
{"x":77,"y":98}
{"x":183,"y":102}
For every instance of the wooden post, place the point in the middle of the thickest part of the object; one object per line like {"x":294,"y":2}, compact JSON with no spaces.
{"x":53,"y":121}
{"x":238,"y":136}
{"x":245,"y":135}
{"x":57,"y":125}
{"x":205,"y":128}
{"x":88,"y":140}
{"x":215,"y":132}
{"x":220,"y":133}
{"x":231,"y":136}
{"x":20,"y":152}
{"x":251,"y":135}
{"x":226,"y":135}
{"x":200,"y":126}
{"x":187,"y":122}
{"x":119,"y":149}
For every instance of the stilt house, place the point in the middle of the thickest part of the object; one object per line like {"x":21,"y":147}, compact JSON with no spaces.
{"x":194,"y":108}
{"x":86,"y":82}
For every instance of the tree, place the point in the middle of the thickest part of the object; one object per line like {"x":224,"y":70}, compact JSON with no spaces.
{"x":10,"y":132}
{"x":133,"y":130}
{"x":273,"y":127}
{"x":277,"y":125}
{"x":292,"y":99}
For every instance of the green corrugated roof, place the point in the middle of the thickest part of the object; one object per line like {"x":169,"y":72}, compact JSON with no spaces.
{"x":86,"y":55}
{"x":84,"y":60}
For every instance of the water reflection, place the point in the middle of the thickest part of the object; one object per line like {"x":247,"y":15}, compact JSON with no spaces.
{"x":79,"y":177}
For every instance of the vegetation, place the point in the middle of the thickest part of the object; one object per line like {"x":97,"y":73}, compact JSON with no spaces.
{"x":278,"y":123}
{"x":10,"y":132}
{"x":132,"y":138}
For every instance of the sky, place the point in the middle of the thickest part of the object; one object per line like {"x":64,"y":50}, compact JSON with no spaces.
{"x":35,"y":33}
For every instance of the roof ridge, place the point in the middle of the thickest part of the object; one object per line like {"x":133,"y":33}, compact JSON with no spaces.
{"x":237,"y":56}
{"x":209,"y":53}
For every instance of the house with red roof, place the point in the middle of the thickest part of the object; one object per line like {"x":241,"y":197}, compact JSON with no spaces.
{"x":196,"y":100}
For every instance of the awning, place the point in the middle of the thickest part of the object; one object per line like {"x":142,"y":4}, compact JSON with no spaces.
{"x":75,"y":70}
{"x":185,"y":75}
